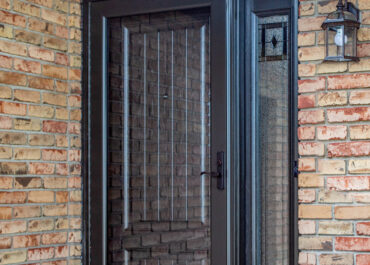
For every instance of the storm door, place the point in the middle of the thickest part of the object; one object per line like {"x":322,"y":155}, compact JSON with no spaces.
{"x":159,"y":139}
{"x":164,"y":180}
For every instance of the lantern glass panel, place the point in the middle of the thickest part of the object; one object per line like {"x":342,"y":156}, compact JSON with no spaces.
{"x":334,"y":41}
{"x":350,"y":42}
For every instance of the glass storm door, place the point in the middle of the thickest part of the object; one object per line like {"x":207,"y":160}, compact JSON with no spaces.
{"x":160,"y":139}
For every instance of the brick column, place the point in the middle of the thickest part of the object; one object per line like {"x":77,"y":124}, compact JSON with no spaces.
{"x":40,"y":182}
{"x":334,"y":147}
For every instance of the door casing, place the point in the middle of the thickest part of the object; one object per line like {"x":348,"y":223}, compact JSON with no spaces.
{"x":95,"y":127}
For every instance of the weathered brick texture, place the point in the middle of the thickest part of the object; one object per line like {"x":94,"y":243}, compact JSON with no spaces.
{"x":334,"y":147}
{"x":40,"y":181}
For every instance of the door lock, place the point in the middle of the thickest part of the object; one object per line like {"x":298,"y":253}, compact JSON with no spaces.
{"x":220,"y":174}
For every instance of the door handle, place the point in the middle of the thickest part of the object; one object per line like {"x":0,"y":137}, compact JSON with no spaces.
{"x":220,"y":174}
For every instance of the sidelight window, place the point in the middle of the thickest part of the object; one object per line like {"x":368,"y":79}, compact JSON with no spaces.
{"x":272,"y":141}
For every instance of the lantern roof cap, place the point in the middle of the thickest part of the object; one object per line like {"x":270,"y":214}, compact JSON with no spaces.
{"x":342,"y":16}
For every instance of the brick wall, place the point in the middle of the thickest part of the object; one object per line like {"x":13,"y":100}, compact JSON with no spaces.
{"x":40,"y":183}
{"x":334,"y":148}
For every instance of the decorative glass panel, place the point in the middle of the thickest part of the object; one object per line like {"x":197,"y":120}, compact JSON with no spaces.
{"x":273,"y":39}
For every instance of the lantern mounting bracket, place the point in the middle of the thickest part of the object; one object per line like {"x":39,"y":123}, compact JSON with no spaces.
{"x":354,"y":10}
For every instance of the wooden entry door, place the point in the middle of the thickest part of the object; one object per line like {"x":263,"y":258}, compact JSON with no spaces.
{"x":158,"y":126}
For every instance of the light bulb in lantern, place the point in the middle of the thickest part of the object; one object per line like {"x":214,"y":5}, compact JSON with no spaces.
{"x":339,"y":38}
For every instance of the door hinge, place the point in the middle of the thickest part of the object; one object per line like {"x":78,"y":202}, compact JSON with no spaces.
{"x":295,"y":169}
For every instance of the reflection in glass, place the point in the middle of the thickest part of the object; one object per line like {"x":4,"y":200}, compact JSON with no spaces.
{"x":159,"y":129}
{"x":272,"y":141}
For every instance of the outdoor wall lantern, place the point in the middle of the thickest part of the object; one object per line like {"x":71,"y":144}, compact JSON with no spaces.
{"x":341,"y":33}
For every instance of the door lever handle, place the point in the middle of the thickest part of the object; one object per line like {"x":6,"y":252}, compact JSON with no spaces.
{"x":220,"y":174}
{"x":212,"y":174}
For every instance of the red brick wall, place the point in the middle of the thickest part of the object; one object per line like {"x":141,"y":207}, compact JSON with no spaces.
{"x":334,"y":148}
{"x":40,"y":183}
{"x":40,"y":196}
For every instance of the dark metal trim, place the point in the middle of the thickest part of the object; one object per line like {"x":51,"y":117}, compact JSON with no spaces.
{"x":237,"y":125}
{"x":342,"y":59}
{"x":97,"y":134}
{"x":294,"y":134}
{"x":245,"y":77}
{"x":119,"y":8}
{"x":220,"y":86}
{"x":84,"y":134}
